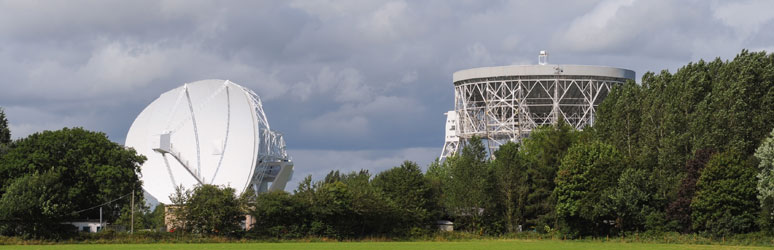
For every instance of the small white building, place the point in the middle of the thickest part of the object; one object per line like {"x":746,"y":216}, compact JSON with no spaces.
{"x":90,"y":226}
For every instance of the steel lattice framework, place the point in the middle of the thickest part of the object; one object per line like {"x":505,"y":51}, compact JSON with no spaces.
{"x":501,"y":104}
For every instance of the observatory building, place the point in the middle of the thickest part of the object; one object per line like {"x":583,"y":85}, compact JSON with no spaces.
{"x":208,"y":132}
{"x":501,"y":104}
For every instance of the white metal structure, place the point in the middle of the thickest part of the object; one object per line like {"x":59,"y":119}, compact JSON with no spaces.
{"x":500,"y":104}
{"x":208,"y":132}
{"x":452,"y":141}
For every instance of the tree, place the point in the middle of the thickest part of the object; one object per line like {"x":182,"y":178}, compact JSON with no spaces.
{"x":281,"y":215}
{"x":76,"y":170}
{"x":542,"y":153}
{"x":465,"y":194}
{"x":178,"y":211}
{"x":374,"y":213}
{"x":5,"y":133}
{"x":435,"y":175}
{"x":332,"y":211}
{"x":212,"y":210}
{"x":347,"y":205}
{"x":125,"y":219}
{"x":411,"y":193}
{"x":680,"y":209}
{"x":154,"y":220}
{"x":586,"y":175}
{"x":765,"y":176}
{"x":618,"y":118}
{"x":725,"y":201}
{"x":633,"y":201}
{"x":510,"y":172}
{"x":34,"y":205}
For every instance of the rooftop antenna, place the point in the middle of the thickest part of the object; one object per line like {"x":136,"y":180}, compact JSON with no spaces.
{"x":543,"y":57}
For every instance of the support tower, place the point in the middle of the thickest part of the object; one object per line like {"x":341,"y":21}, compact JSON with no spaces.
{"x":501,"y":104}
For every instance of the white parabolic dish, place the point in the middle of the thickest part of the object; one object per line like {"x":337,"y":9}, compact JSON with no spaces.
{"x":208,"y":132}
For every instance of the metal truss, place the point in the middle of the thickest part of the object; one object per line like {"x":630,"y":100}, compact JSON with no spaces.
{"x":272,"y":164}
{"x":508,"y":108}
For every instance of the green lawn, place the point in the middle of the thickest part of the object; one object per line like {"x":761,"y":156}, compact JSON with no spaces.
{"x":466,"y":245}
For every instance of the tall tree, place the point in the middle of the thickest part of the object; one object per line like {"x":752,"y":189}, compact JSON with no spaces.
{"x":332,"y":211}
{"x":725,"y":201}
{"x":5,"y":132}
{"x":633,"y":202}
{"x":765,"y":187}
{"x":373,"y":212}
{"x":679,"y":210}
{"x":209,"y":209}
{"x":620,"y":119}
{"x":465,"y":195}
{"x":280,"y":215}
{"x":743,"y":101}
{"x":510,"y":172}
{"x":542,"y":153}
{"x":407,"y":187}
{"x":587,"y":174}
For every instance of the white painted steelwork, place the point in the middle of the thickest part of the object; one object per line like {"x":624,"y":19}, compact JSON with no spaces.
{"x":500,"y":104}
{"x":452,"y":140}
{"x":208,"y":132}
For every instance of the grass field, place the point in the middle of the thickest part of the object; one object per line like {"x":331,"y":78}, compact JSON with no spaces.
{"x":465,"y":245}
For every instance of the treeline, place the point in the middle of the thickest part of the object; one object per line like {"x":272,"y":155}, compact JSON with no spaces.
{"x":395,"y":203}
{"x":692,"y":136}
{"x":689,"y":152}
{"x":675,"y":153}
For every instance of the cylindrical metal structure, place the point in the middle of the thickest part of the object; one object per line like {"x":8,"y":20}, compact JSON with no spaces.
{"x":500,"y":104}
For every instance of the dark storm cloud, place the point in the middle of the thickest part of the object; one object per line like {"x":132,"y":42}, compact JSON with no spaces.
{"x":366,"y":80}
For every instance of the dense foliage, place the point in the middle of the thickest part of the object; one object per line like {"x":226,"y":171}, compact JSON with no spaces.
{"x":670,"y":126}
{"x":765,"y":187}
{"x":407,"y":188}
{"x":57,"y":176}
{"x":679,"y":210}
{"x":511,"y":176}
{"x":542,"y":152}
{"x":397,"y":202}
{"x":586,"y":175}
{"x":725,"y":201}
{"x":207,"y":209}
{"x":467,"y":187}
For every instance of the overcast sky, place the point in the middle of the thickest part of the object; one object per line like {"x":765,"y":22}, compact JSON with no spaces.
{"x":352,"y":84}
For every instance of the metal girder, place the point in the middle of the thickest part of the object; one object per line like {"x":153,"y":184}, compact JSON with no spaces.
{"x":508,"y":108}
{"x":273,"y":161}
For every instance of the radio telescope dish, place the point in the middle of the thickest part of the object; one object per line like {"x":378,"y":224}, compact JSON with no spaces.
{"x":208,"y":132}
